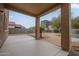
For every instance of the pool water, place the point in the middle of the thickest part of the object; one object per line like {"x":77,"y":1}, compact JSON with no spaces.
{"x":75,"y":35}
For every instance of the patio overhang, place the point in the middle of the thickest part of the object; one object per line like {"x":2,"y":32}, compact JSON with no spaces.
{"x":32,"y":9}
{"x":37,"y":10}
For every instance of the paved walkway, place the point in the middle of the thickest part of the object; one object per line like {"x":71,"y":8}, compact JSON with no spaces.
{"x":24,"y":45}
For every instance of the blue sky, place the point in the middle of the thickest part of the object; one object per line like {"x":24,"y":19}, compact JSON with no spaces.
{"x":29,"y":21}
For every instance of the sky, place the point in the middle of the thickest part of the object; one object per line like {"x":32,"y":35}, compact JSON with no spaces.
{"x":29,"y":21}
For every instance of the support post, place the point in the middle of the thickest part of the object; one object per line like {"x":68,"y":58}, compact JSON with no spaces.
{"x":65,"y":26}
{"x":37,"y":28}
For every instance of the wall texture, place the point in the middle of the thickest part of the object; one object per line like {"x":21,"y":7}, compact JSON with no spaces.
{"x":4,"y":17}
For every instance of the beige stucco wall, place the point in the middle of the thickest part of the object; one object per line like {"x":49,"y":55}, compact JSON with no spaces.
{"x":4,"y":17}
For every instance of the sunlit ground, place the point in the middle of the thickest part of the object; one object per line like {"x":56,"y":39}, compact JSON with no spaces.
{"x":55,"y":38}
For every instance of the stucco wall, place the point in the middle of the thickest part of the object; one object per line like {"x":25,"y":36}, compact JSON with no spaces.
{"x":4,"y":17}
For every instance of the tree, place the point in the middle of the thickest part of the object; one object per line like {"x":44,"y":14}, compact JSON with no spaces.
{"x":75,"y":23}
{"x":56,"y":23}
{"x":45,"y":24}
{"x":41,"y":30}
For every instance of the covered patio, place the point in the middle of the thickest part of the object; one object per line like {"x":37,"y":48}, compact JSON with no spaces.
{"x":37,"y":10}
{"x":24,"y":45}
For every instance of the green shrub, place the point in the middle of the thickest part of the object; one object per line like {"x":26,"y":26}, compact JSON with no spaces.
{"x":56,"y":30}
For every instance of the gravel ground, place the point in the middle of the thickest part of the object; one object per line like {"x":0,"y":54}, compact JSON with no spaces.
{"x":55,"y":38}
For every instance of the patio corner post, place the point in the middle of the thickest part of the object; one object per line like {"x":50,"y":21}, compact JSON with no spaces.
{"x":65,"y":26}
{"x":4,"y":18}
{"x":37,"y":28}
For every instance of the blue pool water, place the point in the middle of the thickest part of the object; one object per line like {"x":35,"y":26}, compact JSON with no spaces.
{"x":75,"y":35}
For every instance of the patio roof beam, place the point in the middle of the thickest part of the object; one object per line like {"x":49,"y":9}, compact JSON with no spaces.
{"x":49,"y":10}
{"x":17,"y":9}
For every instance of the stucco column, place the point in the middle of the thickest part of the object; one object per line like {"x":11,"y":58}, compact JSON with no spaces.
{"x":65,"y":26}
{"x":4,"y":17}
{"x":37,"y":28}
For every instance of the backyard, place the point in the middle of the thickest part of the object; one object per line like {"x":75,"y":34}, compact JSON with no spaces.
{"x":55,"y":38}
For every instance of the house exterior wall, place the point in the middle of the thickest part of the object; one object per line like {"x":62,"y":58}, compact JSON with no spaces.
{"x":16,"y":28}
{"x":4,"y":17}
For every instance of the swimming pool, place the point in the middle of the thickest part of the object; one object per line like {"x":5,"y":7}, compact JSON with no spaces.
{"x":75,"y":35}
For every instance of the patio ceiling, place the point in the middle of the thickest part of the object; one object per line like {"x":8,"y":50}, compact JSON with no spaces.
{"x":32,"y":9}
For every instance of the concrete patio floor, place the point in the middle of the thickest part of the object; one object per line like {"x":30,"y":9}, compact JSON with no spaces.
{"x":24,"y":45}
